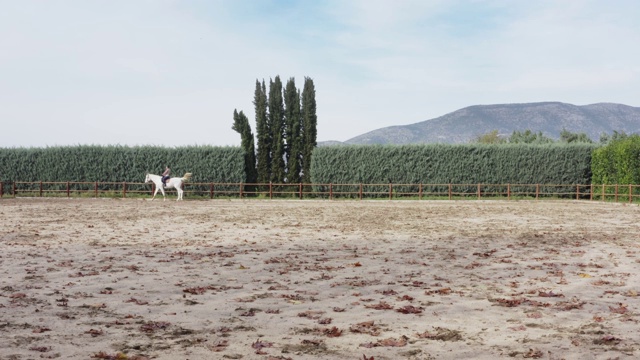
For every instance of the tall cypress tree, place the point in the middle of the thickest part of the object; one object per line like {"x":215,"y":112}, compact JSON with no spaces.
{"x":263,"y":133}
{"x":241,"y":126}
{"x":276,"y":120}
{"x":309,"y":127}
{"x":293,"y":150}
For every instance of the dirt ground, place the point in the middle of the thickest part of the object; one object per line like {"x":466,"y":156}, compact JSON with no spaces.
{"x":248,"y":279}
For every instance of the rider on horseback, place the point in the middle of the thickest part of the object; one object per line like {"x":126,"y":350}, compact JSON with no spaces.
{"x":165,"y":176}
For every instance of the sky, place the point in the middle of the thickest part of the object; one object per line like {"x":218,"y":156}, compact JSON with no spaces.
{"x":171,"y":72}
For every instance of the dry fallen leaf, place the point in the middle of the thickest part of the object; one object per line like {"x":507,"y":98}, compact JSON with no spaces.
{"x":367,"y":327}
{"x":333,"y":332}
{"x":94,"y":332}
{"x":621,"y":309}
{"x":533,"y":353}
{"x":261,"y":344}
{"x":382,"y":305}
{"x":410,"y":309}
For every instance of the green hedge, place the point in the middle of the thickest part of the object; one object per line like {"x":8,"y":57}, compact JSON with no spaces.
{"x":457,"y":164}
{"x":618,"y":162}
{"x":120,"y":163}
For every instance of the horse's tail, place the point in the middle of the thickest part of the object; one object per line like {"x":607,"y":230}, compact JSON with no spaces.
{"x":186,"y":177}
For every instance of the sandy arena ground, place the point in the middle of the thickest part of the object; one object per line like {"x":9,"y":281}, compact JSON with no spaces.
{"x":243,"y":279}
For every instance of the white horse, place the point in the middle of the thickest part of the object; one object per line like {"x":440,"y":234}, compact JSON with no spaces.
{"x":175,"y":182}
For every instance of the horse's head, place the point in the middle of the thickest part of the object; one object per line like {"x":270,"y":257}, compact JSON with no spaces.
{"x":147,"y":178}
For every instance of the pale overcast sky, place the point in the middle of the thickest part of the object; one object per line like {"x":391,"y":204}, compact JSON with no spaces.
{"x":170,"y":73}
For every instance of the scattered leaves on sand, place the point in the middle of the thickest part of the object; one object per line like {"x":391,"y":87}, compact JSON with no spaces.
{"x":607,"y":340}
{"x":442,"y":291}
{"x":313,"y":342}
{"x":366,"y":327}
{"x":510,"y":302}
{"x":332,"y":332}
{"x":195,"y":290}
{"x":533,"y":354}
{"x":570,"y":305}
{"x":105,"y":356}
{"x":152,"y":326}
{"x":137,"y":301}
{"x":311,"y":314}
{"x":410,"y":309}
{"x":382,"y":305}
{"x":534,"y":315}
{"x":620,"y":309}
{"x":250,"y":312}
{"x":441,"y":334}
{"x":40,"y":348}
{"x":485,"y":254}
{"x":259,"y":344}
{"x":218,"y":345}
{"x":549,"y":294}
{"x":389,"y":342}
{"x":94,"y":332}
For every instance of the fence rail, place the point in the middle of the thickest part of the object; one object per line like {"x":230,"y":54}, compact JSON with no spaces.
{"x":606,"y":192}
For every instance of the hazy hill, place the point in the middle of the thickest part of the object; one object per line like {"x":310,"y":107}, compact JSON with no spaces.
{"x":549,"y":117}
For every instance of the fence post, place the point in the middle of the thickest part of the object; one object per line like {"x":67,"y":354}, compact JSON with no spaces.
{"x":508,"y":191}
{"x":616,"y":195}
{"x":449,"y":191}
{"x":420,"y":192}
{"x":96,"y":189}
{"x":591,"y":192}
{"x":300,"y":191}
{"x":577,"y":192}
{"x":0,"y":189}
{"x":390,"y":191}
{"x":270,"y":190}
{"x":14,"y":189}
{"x":537,"y":191}
{"x":360,"y":191}
{"x":241,"y":188}
{"x":478,"y":191}
{"x":67,"y":189}
{"x":124,"y":189}
{"x":40,"y":188}
{"x":211,"y":190}
{"x":330,"y":191}
{"x":630,"y":194}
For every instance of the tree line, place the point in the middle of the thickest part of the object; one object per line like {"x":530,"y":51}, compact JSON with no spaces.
{"x":286,"y":132}
{"x":530,"y":137}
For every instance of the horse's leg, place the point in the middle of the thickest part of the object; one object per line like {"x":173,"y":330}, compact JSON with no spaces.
{"x":164,"y":196}
{"x":154,"y":193}
{"x":179,"y":190}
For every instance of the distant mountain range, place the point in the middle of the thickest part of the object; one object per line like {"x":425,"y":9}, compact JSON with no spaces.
{"x":465,"y":124}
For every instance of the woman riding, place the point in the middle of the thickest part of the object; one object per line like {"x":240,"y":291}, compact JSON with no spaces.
{"x":165,"y":176}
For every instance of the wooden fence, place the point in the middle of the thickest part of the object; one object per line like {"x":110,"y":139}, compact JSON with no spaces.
{"x":626,"y":193}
